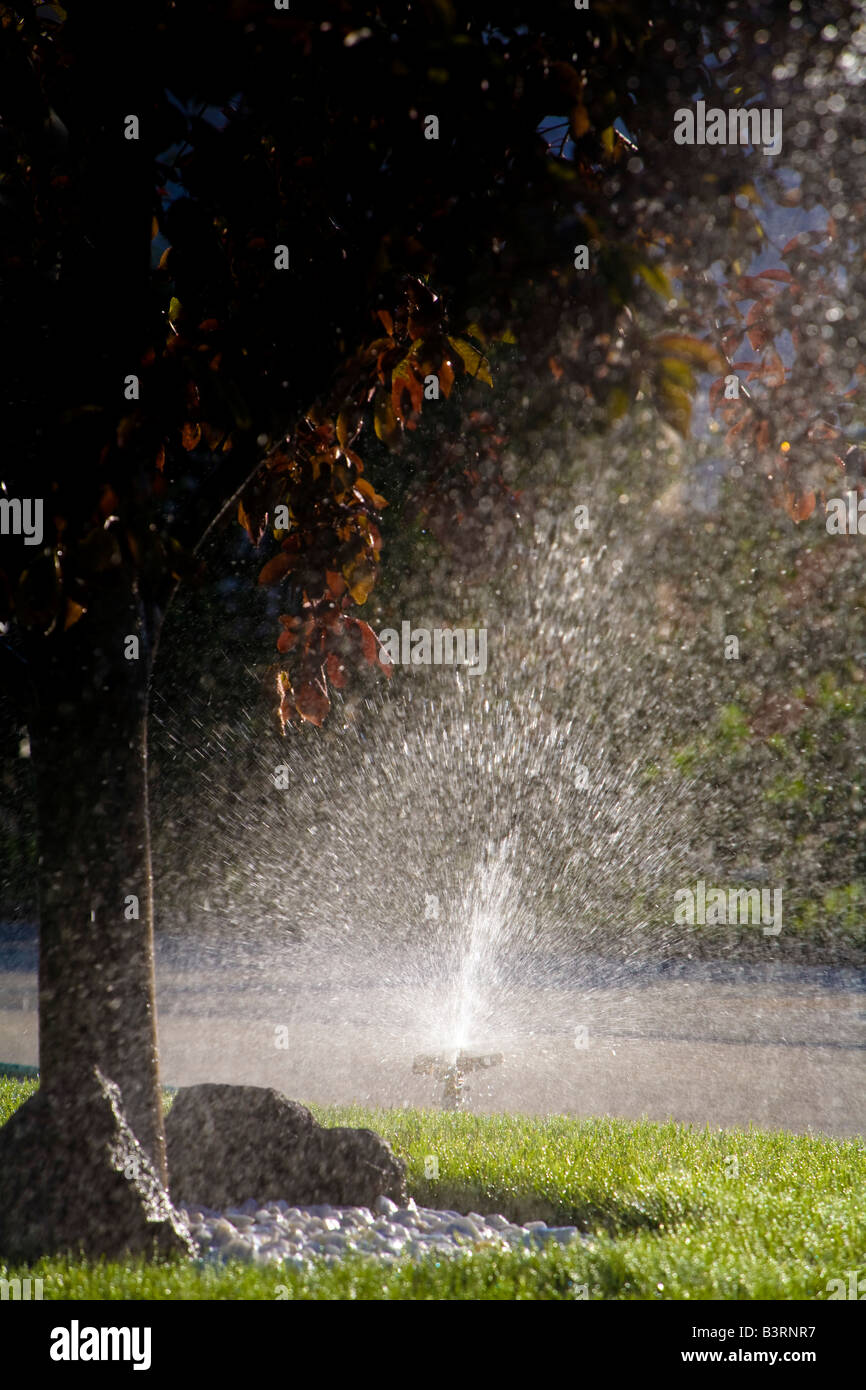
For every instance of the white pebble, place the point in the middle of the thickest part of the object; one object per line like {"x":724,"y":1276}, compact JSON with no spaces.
{"x":385,"y":1206}
{"x":294,"y":1236}
{"x":563,"y":1234}
{"x":462,"y":1226}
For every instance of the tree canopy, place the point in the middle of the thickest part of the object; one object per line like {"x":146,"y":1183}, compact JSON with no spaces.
{"x":369,"y":217}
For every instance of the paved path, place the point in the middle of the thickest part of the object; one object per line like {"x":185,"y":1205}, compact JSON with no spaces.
{"x":777,"y":1055}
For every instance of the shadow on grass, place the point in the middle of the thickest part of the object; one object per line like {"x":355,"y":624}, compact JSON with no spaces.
{"x":615,"y":1215}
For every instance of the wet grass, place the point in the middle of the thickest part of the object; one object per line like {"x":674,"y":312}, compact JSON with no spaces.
{"x":673,"y":1212}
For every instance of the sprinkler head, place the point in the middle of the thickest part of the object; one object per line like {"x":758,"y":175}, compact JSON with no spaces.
{"x":452,"y":1071}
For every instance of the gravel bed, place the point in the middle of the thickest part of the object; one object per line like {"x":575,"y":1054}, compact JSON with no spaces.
{"x":275,"y":1233}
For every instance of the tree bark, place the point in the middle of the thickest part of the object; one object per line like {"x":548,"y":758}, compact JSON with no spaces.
{"x":96,"y":972}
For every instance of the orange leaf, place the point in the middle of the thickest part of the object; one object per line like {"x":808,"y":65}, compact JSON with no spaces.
{"x":335,"y":671}
{"x":244,"y":520}
{"x":580,"y":122}
{"x":759,"y":335}
{"x":762,"y":435}
{"x":774,"y":369}
{"x":736,"y":429}
{"x":370,"y":648}
{"x":295,"y":629}
{"x":74,"y":611}
{"x":191,"y":435}
{"x":369,"y":493}
{"x":276,"y":569}
{"x":799,"y":508}
{"x":752,"y":287}
{"x":348,"y":424}
{"x":109,"y":502}
{"x":404,"y":379}
{"x":312,"y":703}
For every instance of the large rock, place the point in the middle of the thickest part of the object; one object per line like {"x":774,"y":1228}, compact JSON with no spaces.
{"x":226,"y":1144}
{"x":74,"y":1179}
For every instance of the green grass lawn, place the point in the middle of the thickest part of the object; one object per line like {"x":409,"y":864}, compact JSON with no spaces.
{"x":674,"y":1213}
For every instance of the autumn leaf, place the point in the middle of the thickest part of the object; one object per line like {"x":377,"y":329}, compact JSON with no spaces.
{"x":736,"y":430}
{"x":446,"y":377}
{"x":312,"y":703}
{"x":579,"y":122}
{"x":799,"y":506}
{"x":656,"y":279}
{"x":801,"y":240}
{"x":730,"y":340}
{"x":336,"y":583}
{"x":404,"y":379}
{"x":749,"y":192}
{"x":369,"y":494}
{"x":109,"y":502}
{"x":252,"y":521}
{"x":773,"y":369}
{"x":295,"y":630}
{"x":678,"y":372}
{"x":360,"y":575}
{"x":754,"y":287}
{"x":674,"y":404}
{"x":617,"y":404}
{"x":784,"y":275}
{"x":74,"y":611}
{"x":348,"y":424}
{"x":286,"y":694}
{"x":695,"y":351}
{"x":335,"y":671}
{"x":276,"y":568}
{"x":191,"y":435}
{"x":757,"y":327}
{"x":384,"y":420}
{"x":476,"y":363}
{"x":370,"y":648}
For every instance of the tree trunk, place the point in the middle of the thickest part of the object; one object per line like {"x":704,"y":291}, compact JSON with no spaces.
{"x":96,"y":973}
